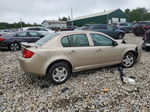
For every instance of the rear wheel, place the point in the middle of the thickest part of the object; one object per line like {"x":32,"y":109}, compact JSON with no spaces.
{"x":14,"y":46}
{"x":59,"y":73}
{"x":128,"y":60}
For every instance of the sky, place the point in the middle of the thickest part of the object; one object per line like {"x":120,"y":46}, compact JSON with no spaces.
{"x":36,"y":11}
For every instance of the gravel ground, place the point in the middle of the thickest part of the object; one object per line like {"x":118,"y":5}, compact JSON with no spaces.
{"x":98,"y":90}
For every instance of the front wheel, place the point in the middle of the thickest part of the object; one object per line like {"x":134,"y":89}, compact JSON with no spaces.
{"x":59,"y":73}
{"x":14,"y":47}
{"x":128,"y":60}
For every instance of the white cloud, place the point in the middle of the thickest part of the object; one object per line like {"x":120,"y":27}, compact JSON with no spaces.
{"x":38,"y":10}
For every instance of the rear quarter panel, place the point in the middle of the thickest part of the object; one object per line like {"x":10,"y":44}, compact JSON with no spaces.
{"x":52,"y":55}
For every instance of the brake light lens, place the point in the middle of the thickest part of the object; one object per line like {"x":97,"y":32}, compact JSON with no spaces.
{"x":1,"y":39}
{"x":27,"y":53}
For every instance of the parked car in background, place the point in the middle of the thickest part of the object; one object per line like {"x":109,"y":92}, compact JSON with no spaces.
{"x":12,"y":41}
{"x":85,"y":27}
{"x":104,"y":28}
{"x":5,"y":32}
{"x":57,"y":55}
{"x":55,"y":29}
{"x":126,"y":27}
{"x":41,"y":30}
{"x":146,"y":43}
{"x":141,"y":27}
{"x":68,"y":28}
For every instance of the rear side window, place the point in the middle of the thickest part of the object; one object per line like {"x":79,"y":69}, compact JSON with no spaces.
{"x":33,"y":34}
{"x":65,"y":42}
{"x":34,"y":29}
{"x":77,"y":40}
{"x":99,"y":27}
{"x":42,"y":29}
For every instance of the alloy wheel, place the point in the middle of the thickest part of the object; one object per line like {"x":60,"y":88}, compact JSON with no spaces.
{"x":14,"y":47}
{"x":128,"y":60}
{"x":60,"y":74}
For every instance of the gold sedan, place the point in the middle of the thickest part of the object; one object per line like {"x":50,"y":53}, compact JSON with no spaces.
{"x":57,"y":55}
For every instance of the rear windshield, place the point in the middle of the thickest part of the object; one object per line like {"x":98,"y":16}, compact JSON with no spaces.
{"x":45,"y":39}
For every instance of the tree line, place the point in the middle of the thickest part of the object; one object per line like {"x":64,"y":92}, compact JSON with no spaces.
{"x":4,"y":25}
{"x":138,"y":14}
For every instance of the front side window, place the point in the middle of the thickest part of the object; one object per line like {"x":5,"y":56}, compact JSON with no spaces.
{"x":76,"y":40}
{"x":100,"y":40}
{"x":22,"y":34}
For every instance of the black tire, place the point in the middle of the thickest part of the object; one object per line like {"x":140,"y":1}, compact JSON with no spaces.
{"x":137,"y":34}
{"x":145,"y":48}
{"x":14,"y":46}
{"x":120,"y":36}
{"x":128,"y":62}
{"x":52,"y":73}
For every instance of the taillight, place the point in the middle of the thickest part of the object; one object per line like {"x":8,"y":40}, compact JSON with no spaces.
{"x":27,"y":53}
{"x":1,"y":39}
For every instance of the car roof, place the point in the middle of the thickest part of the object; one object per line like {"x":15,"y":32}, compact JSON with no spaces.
{"x":77,"y":31}
{"x":23,"y":31}
{"x":62,"y":33}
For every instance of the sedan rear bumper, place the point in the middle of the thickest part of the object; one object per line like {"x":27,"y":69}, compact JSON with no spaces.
{"x":32,"y":66}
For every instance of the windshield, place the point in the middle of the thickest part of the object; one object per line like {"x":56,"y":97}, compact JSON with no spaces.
{"x":45,"y":39}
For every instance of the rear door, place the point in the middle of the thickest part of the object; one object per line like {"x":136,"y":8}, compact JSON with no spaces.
{"x":77,"y":48}
{"x":105,"y":52}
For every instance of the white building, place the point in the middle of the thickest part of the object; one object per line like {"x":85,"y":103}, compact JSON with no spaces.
{"x":54,"y":23}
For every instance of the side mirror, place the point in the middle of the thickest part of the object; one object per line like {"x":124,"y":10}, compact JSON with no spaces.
{"x":115,"y":43}
{"x":41,"y":36}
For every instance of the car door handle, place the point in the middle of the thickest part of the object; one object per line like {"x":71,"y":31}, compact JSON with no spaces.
{"x":71,"y":52}
{"x":98,"y":50}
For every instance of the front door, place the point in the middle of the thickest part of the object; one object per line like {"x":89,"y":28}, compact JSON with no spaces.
{"x":105,"y":52}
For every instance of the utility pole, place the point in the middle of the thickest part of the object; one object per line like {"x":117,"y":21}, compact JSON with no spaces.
{"x":20,"y":23}
{"x":71,"y":16}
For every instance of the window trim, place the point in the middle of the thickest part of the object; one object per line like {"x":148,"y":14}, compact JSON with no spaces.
{"x":102,"y":35}
{"x":69,"y":40}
